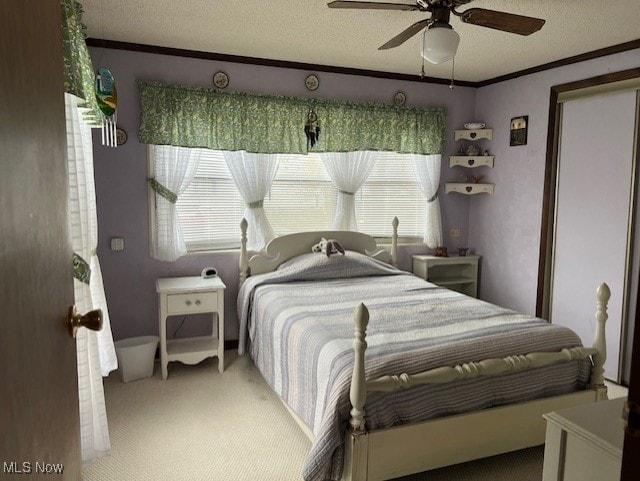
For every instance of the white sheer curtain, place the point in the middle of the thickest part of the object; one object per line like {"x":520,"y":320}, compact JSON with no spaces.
{"x":95,"y":350}
{"x":253,"y":175}
{"x":348,"y":171}
{"x":427,"y":171}
{"x":173,"y":170}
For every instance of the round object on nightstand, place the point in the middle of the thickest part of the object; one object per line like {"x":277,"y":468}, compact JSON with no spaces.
{"x":399,"y":98}
{"x":121,"y":136}
{"x":312,"y":82}
{"x":220,"y":80}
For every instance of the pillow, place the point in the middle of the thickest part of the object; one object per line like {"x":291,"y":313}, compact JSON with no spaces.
{"x":352,"y":264}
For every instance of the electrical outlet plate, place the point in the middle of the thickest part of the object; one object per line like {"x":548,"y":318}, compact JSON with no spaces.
{"x":117,"y":244}
{"x":454,"y":233}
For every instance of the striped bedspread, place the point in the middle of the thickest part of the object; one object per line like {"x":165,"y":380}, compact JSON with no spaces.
{"x":299,"y":327}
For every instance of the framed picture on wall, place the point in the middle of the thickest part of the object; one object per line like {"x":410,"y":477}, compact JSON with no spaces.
{"x":518,"y":130}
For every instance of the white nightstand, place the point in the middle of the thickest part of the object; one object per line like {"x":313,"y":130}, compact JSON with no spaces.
{"x":191,"y":295}
{"x":458,"y":273}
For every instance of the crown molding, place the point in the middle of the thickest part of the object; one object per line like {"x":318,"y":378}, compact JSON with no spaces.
{"x":178,"y":52}
{"x":602,"y":52}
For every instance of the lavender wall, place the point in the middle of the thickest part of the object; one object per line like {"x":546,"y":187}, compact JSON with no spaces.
{"x":505,"y":228}
{"x":121,"y":190}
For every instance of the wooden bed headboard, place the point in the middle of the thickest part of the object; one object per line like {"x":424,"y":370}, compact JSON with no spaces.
{"x":288,"y":246}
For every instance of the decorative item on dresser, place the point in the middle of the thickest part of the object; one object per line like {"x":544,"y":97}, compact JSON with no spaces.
{"x":440,"y":251}
{"x":471,"y":158}
{"x":290,"y":349}
{"x":191,"y":295}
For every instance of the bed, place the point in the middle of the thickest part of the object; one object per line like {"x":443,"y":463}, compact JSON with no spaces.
{"x":446,"y":379}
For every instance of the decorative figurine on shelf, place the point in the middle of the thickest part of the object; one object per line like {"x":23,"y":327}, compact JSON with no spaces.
{"x":477,"y":179}
{"x":472,"y":150}
{"x":462,"y":150}
{"x":440,"y":252}
{"x":486,"y":152}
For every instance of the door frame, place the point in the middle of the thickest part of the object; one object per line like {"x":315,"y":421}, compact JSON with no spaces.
{"x":609,"y":83}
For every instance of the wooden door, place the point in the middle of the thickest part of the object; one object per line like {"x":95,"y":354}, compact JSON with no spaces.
{"x":38,"y":377}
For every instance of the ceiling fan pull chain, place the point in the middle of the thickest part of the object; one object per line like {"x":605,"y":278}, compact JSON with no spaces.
{"x":453,"y":66}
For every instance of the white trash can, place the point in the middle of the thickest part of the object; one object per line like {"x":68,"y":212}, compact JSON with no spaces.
{"x":135,"y":357}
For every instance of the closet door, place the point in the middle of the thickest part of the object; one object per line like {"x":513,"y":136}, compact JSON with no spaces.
{"x":595,"y":172}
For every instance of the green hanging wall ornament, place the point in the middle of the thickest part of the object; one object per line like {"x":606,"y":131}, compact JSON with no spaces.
{"x":107,"y":98}
{"x":312,"y":129}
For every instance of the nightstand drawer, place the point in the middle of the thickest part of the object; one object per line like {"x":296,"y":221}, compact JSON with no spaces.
{"x":192,"y":303}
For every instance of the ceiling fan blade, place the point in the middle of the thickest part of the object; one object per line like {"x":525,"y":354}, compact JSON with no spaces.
{"x":507,"y":22}
{"x":372,"y":5}
{"x":405,"y":34}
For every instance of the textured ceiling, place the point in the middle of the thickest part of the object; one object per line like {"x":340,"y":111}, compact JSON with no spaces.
{"x":308,"y":31}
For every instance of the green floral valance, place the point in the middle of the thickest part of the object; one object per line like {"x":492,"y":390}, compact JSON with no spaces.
{"x":202,"y":117}
{"x":78,"y":70}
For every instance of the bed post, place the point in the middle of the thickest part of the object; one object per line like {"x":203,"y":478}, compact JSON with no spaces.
{"x":394,"y":243}
{"x":357,"y":442}
{"x":244,"y":262}
{"x":358,"y":392}
{"x":603,"y":293}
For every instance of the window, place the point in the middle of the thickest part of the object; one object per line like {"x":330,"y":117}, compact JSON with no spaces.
{"x":302,"y":198}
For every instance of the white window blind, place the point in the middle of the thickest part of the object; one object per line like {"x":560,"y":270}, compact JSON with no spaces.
{"x":391,"y":191}
{"x":302,"y":198}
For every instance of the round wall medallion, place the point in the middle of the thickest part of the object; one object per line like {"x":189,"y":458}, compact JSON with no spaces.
{"x":220,"y":80}
{"x":399,"y":98}
{"x":121,"y":136}
{"x":312,"y":82}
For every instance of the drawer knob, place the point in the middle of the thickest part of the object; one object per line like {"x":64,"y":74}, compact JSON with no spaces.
{"x":188,"y":303}
{"x":198,"y":302}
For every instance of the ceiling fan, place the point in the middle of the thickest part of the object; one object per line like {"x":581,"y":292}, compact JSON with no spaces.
{"x":441,"y":41}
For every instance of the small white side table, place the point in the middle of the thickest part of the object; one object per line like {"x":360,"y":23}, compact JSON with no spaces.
{"x":458,"y":273}
{"x":191,"y":295}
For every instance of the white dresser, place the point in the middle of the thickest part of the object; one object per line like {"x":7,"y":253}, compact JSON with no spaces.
{"x":584,"y":443}
{"x":191,"y":295}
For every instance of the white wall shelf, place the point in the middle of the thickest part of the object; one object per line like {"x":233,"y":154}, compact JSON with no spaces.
{"x":475,"y":134}
{"x":471,"y":161}
{"x":469,"y":188}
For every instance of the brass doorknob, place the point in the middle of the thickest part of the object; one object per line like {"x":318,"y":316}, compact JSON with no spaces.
{"x":91,"y":320}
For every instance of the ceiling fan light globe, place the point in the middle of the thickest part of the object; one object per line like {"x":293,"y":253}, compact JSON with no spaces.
{"x":439,"y":44}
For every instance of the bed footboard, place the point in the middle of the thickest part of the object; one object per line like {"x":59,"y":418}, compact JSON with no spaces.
{"x":357,"y":444}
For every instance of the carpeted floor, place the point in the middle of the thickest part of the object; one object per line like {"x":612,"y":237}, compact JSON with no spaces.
{"x":203,"y":425}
